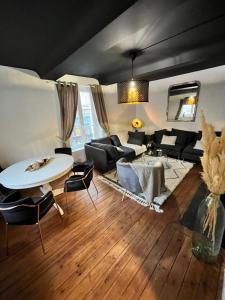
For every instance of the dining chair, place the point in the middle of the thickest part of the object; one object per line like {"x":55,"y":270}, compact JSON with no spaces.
{"x":82,"y":181}
{"x":26,"y":211}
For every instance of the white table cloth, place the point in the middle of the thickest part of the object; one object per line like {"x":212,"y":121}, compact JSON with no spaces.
{"x":15,"y":176}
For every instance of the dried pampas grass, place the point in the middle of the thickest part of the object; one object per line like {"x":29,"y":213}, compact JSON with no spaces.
{"x":213,"y":159}
{"x":213,"y":163}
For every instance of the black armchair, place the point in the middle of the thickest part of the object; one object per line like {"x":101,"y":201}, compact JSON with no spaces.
{"x":25,"y":211}
{"x":82,"y":181}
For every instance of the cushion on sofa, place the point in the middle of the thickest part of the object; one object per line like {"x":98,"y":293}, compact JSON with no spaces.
{"x":190,"y":150}
{"x":115,"y":140}
{"x":177,"y":147}
{"x":158,"y":135}
{"x":129,"y":153}
{"x":183,"y":137}
{"x":174,"y":151}
{"x":169,"y":140}
{"x":136,"y":138}
{"x":148,"y":138}
{"x":105,"y":140}
{"x":111,"y":150}
{"x":198,"y":145}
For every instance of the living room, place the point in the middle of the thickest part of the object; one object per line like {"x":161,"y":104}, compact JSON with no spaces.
{"x":112,"y":150}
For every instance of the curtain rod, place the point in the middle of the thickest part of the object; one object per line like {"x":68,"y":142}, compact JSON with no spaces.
{"x":74,"y":83}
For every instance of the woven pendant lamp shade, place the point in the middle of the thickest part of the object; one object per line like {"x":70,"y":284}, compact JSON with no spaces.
{"x":133,"y":91}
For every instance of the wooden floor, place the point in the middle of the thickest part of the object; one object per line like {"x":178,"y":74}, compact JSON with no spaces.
{"x":120,"y":251}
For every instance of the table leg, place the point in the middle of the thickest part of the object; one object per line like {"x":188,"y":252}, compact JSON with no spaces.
{"x":45,"y":188}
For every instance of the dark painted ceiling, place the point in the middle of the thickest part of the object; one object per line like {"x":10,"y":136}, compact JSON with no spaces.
{"x":89,"y":38}
{"x":38,"y":35}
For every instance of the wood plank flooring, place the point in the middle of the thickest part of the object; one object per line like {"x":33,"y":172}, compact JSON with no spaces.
{"x":119,"y":251}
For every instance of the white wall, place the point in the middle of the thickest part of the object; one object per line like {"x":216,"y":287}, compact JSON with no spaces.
{"x":119,"y":115}
{"x":29,"y":115}
{"x":153,"y":113}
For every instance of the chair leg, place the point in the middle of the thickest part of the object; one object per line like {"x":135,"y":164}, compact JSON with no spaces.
{"x":42,"y":243}
{"x":6,"y":239}
{"x":67,"y":208}
{"x":91,"y":199}
{"x":61,"y":217}
{"x":95,"y":186}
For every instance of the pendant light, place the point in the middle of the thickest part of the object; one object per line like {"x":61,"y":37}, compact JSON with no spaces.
{"x":133,"y":91}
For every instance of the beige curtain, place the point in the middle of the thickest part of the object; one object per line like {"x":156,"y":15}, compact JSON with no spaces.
{"x":68,"y":99}
{"x":100,"y":107}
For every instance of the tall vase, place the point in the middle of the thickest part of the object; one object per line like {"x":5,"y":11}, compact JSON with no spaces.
{"x":208,"y":229}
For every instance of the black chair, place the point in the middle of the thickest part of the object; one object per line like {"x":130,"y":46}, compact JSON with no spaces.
{"x":63,"y":150}
{"x":26,"y":211}
{"x":82,"y":181}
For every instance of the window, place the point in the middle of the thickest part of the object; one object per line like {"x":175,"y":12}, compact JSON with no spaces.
{"x":187,"y":111}
{"x":86,"y":124}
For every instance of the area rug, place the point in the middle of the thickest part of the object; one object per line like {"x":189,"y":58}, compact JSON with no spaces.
{"x":175,"y":171}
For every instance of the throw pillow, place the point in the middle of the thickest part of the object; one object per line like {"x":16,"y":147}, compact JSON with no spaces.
{"x":105,"y":140}
{"x":158,"y":135}
{"x":183,"y":137}
{"x":111,"y":150}
{"x":136,"y":138}
{"x":119,"y":149}
{"x":115,"y":140}
{"x":169,"y":140}
{"x":198,"y":145}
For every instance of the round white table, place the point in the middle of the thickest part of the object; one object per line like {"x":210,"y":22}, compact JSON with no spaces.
{"x":15,"y":176}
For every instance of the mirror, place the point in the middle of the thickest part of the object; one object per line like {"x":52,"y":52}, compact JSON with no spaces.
{"x":183,"y":102}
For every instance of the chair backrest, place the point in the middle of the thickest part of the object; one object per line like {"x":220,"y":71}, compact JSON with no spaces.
{"x":64,"y":150}
{"x":24,"y":211}
{"x":88,"y":173}
{"x":127,"y":177}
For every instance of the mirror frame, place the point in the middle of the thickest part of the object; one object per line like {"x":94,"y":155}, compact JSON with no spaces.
{"x":197,"y":100}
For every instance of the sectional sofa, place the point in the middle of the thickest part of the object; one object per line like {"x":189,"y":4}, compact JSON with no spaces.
{"x":106,"y":151}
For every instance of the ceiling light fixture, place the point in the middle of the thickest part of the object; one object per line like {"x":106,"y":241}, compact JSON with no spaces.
{"x":133,"y":91}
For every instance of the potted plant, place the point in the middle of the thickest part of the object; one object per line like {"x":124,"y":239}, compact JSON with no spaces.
{"x":210,"y":219}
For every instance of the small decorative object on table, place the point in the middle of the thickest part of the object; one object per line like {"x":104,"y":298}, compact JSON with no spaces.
{"x":137,"y":123}
{"x":38,"y":164}
{"x":210,"y":219}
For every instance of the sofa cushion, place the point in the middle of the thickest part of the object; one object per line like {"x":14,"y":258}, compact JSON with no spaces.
{"x":111,"y":150}
{"x":136,"y":138}
{"x":148,"y":138}
{"x":129,"y":153}
{"x":198,"y":145}
{"x":183,"y":137}
{"x":176,"y":148}
{"x":115,"y":140}
{"x":190,"y":149}
{"x":105,"y":140}
{"x":169,"y":140}
{"x":159,"y":133}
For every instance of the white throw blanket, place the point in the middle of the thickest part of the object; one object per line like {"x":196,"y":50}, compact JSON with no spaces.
{"x":138,"y":149}
{"x":151,"y":179}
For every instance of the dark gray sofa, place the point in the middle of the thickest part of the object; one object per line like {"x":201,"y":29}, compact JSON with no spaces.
{"x":191,"y":154}
{"x":184,"y":138}
{"x":101,"y":158}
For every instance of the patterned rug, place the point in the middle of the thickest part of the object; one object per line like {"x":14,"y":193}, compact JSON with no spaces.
{"x":175,"y":171}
